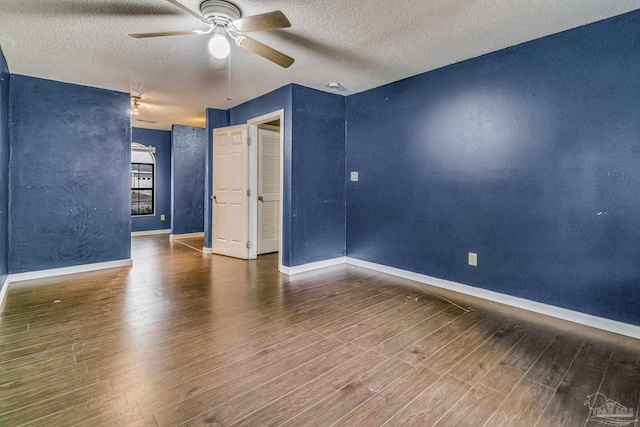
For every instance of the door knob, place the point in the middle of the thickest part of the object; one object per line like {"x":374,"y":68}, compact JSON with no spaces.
{"x":260,"y":198}
{"x":213,"y":197}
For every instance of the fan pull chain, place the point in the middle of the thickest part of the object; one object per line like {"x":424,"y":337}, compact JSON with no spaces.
{"x":229,"y":79}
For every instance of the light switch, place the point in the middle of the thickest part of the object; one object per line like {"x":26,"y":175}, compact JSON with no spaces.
{"x":354,"y":176}
{"x":161,"y":217}
{"x":473,"y":259}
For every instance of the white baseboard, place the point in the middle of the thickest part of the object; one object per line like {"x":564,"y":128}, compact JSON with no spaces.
{"x":41,"y":274}
{"x":525,"y":304}
{"x":150,"y":232}
{"x":206,"y":250}
{"x":3,"y":292}
{"x":185,"y":236}
{"x":311,"y":266}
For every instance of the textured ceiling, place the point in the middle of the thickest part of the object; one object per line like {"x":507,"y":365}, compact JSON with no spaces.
{"x":361,"y":44}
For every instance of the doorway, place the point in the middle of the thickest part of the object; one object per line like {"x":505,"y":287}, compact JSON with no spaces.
{"x":266,"y":173}
{"x":268,"y":145}
{"x":247,"y":188}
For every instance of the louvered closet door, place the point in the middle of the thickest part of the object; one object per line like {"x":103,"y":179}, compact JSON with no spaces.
{"x":230,"y":184}
{"x":268,"y":190}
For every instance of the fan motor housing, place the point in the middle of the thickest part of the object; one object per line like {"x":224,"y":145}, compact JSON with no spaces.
{"x":219,"y":10}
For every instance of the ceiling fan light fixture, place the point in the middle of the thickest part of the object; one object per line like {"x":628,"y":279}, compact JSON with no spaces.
{"x":225,"y":20}
{"x":337,"y":86}
{"x":135,"y":105}
{"x":219,"y":46}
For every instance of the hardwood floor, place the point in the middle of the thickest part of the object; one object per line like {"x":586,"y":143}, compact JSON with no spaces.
{"x":184,"y":338}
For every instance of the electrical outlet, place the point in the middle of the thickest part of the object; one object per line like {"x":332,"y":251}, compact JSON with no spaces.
{"x":161,"y":217}
{"x":354,"y":176}
{"x":473,"y":259}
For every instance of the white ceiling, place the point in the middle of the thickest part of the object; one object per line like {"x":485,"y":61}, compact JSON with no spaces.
{"x":361,"y":44}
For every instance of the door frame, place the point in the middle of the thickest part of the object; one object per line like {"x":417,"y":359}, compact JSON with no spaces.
{"x":253,"y":181}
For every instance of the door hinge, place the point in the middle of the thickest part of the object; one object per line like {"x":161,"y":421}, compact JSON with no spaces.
{"x":248,"y":193}
{"x":248,"y":140}
{"x":248,"y":245}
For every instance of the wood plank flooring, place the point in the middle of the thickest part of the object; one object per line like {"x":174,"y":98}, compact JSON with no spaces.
{"x":185,"y":338}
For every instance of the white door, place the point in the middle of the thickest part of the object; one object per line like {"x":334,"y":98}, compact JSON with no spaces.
{"x":230,"y":192}
{"x":268,"y":189}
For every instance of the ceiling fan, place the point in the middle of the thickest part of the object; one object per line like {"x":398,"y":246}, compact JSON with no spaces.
{"x":224,"y":22}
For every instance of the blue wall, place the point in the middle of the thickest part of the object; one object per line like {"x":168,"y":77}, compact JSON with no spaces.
{"x":314,"y":161}
{"x":161,"y":140}
{"x":279,"y":99}
{"x":215,"y":119}
{"x":4,"y":167}
{"x":69,"y":177}
{"x":528,"y":156}
{"x":318,"y":176}
{"x":188,"y":145}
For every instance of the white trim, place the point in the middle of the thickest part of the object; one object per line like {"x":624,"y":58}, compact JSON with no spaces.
{"x":312,"y":266}
{"x":40,"y":274}
{"x":3,"y":292}
{"x":525,"y":304}
{"x":206,"y":250}
{"x":253,"y":183}
{"x":185,"y":236}
{"x":150,"y":232}
{"x":142,"y":147}
{"x":284,"y":270}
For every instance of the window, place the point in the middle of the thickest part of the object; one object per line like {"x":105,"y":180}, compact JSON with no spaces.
{"x":142,"y":180}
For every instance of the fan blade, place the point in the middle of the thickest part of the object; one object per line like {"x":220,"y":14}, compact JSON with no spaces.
{"x":264,"y":22}
{"x":189,"y":11}
{"x":164,"y":33}
{"x":266,"y":52}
